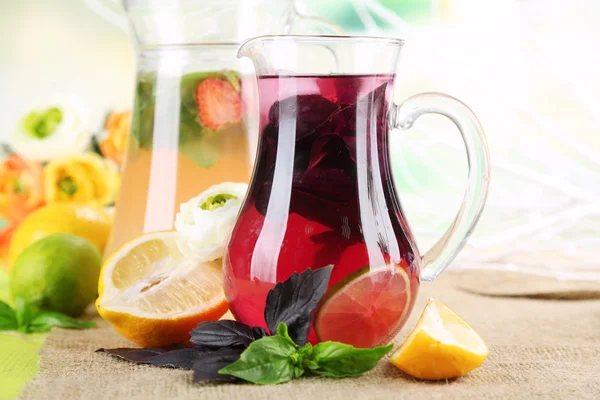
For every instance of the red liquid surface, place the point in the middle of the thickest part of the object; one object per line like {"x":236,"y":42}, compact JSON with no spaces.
{"x":322,"y":194}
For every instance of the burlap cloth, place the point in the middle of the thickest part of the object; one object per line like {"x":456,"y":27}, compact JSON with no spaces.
{"x":539,"y":348}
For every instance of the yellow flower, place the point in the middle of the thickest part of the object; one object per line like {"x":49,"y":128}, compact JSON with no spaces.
{"x":84,"y":178}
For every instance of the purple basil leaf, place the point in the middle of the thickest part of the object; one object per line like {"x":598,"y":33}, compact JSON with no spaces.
{"x":176,"y":356}
{"x":206,"y":367}
{"x":331,"y":152}
{"x":141,"y":356}
{"x":308,"y":111}
{"x":321,"y":190}
{"x":294,"y":302}
{"x":225,"y":333}
{"x":182,"y":358}
{"x":259,"y":332}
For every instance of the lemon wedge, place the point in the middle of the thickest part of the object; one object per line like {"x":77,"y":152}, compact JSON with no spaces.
{"x":442,"y":346}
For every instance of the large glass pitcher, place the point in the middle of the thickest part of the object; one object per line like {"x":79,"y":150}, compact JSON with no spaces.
{"x":322,"y":191}
{"x":189,"y":125}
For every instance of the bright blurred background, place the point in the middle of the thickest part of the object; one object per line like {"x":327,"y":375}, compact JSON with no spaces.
{"x":527,"y":68}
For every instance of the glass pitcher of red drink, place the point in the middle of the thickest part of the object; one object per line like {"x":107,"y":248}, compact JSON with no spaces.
{"x":322,"y":191}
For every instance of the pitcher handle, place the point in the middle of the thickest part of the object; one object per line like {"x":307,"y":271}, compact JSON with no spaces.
{"x":110,"y":10}
{"x":445,"y":250}
{"x":323,"y":26}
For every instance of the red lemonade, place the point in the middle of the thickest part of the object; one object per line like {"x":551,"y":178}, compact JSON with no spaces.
{"x":322,"y":194}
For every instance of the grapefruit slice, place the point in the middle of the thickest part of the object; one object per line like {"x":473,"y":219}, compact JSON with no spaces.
{"x":365,"y":309}
{"x":153,"y":295}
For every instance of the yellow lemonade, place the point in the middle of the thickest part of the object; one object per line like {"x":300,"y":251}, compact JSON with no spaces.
{"x":156,"y":182}
{"x":178,"y":148}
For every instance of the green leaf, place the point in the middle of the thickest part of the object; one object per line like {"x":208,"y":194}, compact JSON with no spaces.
{"x":6,"y":310}
{"x":339,"y":360}
{"x":8,"y":318}
{"x":233,"y":78}
{"x":306,"y":354}
{"x":187,"y":90}
{"x":269,"y":360}
{"x":142,"y":124}
{"x":282,"y":330}
{"x":205,"y":151}
{"x":191,"y":131}
{"x":45,"y":321}
{"x":25,"y":313}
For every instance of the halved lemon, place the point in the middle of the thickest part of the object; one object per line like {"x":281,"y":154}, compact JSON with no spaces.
{"x":442,"y":346}
{"x":153,"y":295}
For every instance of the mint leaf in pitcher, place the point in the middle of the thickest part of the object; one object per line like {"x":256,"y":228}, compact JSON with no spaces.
{"x":294,"y":302}
{"x":308,"y":111}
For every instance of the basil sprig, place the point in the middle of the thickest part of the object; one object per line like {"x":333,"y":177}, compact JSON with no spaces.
{"x":29,"y":319}
{"x":277,"y":359}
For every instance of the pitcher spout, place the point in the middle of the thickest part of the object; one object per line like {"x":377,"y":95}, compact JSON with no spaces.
{"x":250,"y":48}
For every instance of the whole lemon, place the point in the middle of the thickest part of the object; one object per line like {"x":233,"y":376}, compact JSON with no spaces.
{"x":91,"y":223}
{"x":57,"y":273}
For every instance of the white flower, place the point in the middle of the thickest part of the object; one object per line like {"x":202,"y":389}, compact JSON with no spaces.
{"x":54,"y":130}
{"x":205,"y":222}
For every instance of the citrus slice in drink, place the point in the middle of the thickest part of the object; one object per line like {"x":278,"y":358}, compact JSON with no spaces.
{"x":153,"y":295}
{"x":442,"y":346}
{"x":367,"y":308}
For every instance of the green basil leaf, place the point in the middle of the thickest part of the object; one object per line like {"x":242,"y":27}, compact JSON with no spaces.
{"x":8,"y":318}
{"x":339,"y":360}
{"x":282,"y":330}
{"x":6,"y":310}
{"x":25,"y":313}
{"x":45,"y":321}
{"x":37,"y":328}
{"x":267,"y":361}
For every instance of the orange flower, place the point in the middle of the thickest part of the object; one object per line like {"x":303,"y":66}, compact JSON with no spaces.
{"x":21,"y":192}
{"x":117,"y":130}
{"x":21,"y":187}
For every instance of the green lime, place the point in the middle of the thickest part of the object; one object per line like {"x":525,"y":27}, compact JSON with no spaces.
{"x":57,"y":273}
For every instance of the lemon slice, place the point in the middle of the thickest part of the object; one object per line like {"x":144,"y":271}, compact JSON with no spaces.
{"x":442,"y":346}
{"x":153,"y":295}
